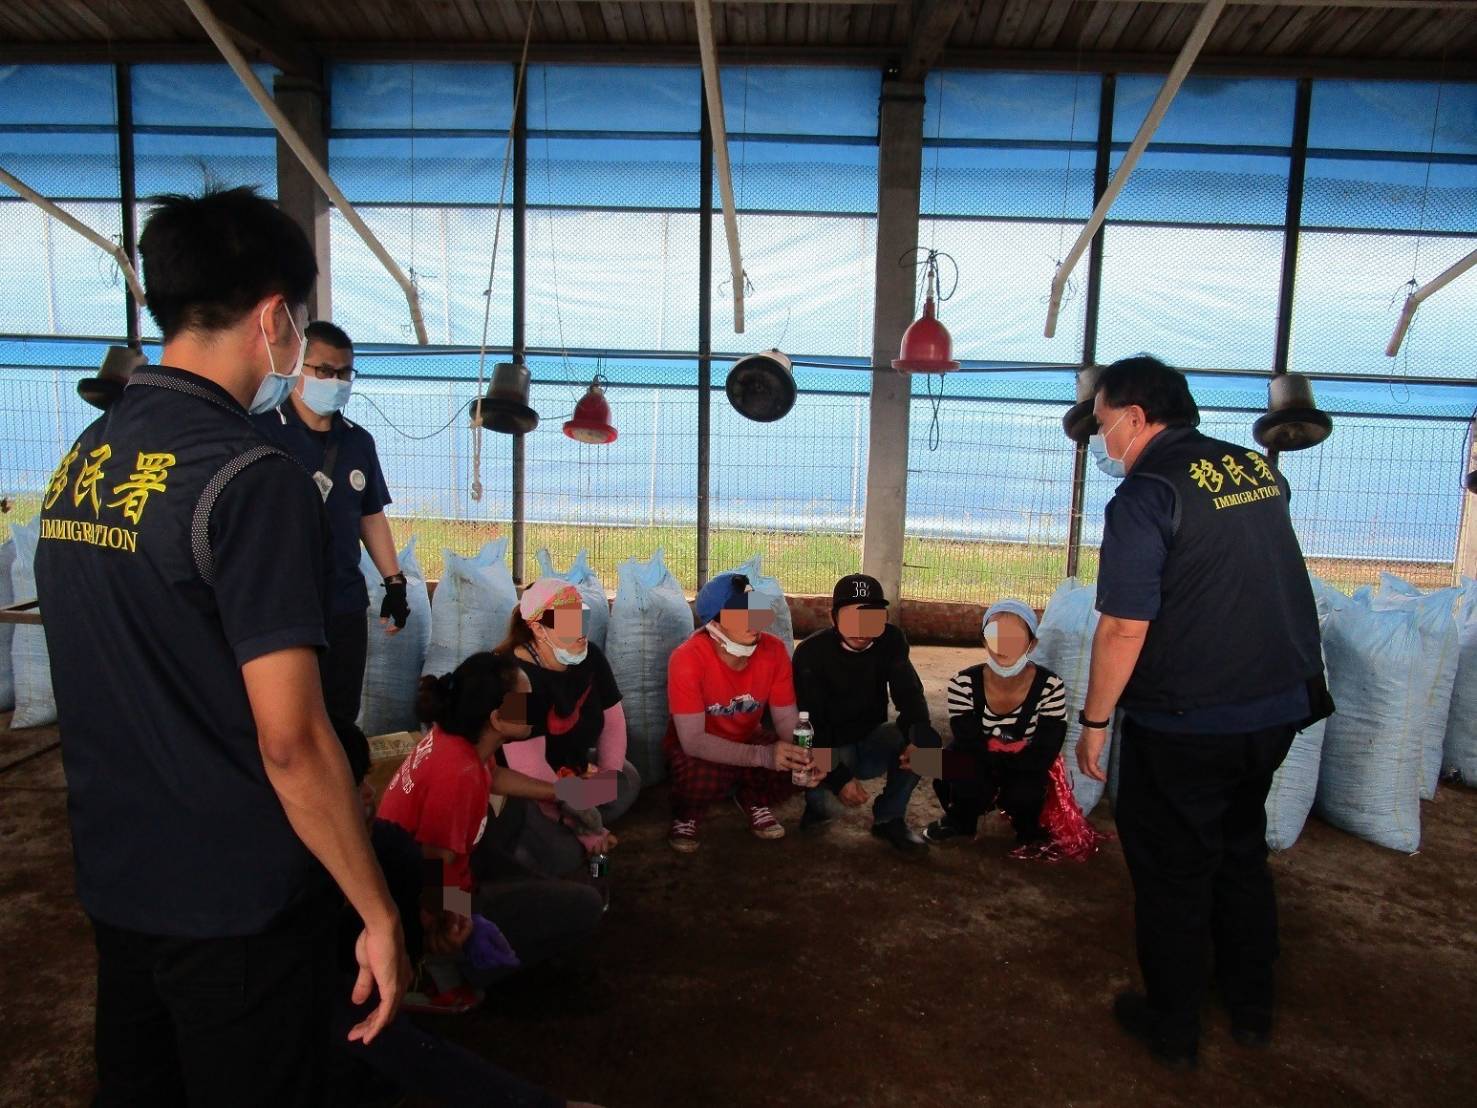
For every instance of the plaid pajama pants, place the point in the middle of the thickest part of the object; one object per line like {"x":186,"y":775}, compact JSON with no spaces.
{"x":697,"y":783}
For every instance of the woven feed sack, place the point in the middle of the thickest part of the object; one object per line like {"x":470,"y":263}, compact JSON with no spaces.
{"x":592,"y":592}
{"x":1437,"y":625}
{"x":1460,"y":757}
{"x":774,"y":593}
{"x":7,"y":598}
{"x":1295,"y":783}
{"x":1064,"y":646}
{"x":1369,"y":778}
{"x":471,"y":608}
{"x":35,"y":703}
{"x":393,"y":666}
{"x":650,"y":619}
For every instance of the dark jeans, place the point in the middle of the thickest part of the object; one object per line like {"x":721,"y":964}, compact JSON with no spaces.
{"x":1191,"y":815}
{"x":341,"y":667}
{"x":224,"y":1021}
{"x":1019,"y":793}
{"x":874,"y":755}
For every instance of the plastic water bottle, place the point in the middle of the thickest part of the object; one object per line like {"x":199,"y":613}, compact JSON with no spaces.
{"x":600,"y":877}
{"x":805,"y":740}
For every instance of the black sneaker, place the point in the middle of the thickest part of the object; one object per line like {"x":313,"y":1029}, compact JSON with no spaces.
{"x":1133,"y":1014}
{"x":942,"y":831}
{"x":900,"y":835}
{"x":814,"y":819}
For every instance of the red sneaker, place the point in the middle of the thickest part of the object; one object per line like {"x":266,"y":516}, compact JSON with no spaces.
{"x":762,"y":822}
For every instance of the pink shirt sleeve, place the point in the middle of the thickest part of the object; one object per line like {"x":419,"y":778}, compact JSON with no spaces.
{"x":610,"y":747}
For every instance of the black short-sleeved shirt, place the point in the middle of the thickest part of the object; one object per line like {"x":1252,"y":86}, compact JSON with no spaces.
{"x":151,"y":607}
{"x":568,"y":707}
{"x":358,"y":491}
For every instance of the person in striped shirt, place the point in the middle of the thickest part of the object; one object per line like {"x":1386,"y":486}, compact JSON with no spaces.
{"x":1008,"y":716}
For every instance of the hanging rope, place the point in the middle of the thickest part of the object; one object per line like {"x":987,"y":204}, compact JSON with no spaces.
{"x":1414,"y":283}
{"x":502,"y":193}
{"x":1061,"y":234}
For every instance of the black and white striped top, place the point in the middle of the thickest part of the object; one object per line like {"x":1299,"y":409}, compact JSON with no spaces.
{"x":1052,"y":704}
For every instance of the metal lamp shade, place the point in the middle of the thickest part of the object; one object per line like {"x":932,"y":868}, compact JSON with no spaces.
{"x":761,"y":387}
{"x":112,"y":378}
{"x":505,"y":407}
{"x":1293,"y":421}
{"x":1079,"y":423}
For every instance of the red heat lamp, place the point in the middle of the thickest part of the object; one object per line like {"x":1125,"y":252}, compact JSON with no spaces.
{"x":591,"y":422}
{"x":926,"y":346}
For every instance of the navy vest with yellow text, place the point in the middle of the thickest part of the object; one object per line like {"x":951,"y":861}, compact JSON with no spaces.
{"x":1237,"y":620}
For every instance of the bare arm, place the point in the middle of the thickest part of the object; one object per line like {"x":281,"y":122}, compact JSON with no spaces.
{"x":1115,"y":651}
{"x":375,"y":531}
{"x":509,"y":782}
{"x":305,"y":765}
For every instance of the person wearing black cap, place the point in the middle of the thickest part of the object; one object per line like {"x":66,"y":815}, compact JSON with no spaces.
{"x":1209,"y":643}
{"x":181,"y":569}
{"x":844,"y":675}
{"x":345,"y":465}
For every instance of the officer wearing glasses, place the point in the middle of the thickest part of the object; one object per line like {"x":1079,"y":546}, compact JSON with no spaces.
{"x":342,"y":458}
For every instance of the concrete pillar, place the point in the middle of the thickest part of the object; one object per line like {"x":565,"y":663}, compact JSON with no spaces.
{"x":1466,"y":545}
{"x":305,"y":106}
{"x":899,"y":168}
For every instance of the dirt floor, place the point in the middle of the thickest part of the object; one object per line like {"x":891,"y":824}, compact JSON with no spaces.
{"x":828,"y":972}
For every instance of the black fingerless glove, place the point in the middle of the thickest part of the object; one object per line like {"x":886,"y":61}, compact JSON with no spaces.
{"x":396,"y":605}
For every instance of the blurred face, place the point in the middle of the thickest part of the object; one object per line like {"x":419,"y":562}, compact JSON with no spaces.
{"x":860,"y":626}
{"x":565,"y":628}
{"x":1007,"y":637}
{"x":511,"y":720}
{"x":743,"y":626}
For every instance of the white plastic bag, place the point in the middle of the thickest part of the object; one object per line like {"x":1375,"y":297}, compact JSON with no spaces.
{"x":35,"y":703}
{"x":7,"y":598}
{"x":650,"y":619}
{"x":1459,"y":760}
{"x":393,"y":665}
{"x":592,"y":592}
{"x":1437,"y":625}
{"x":1065,"y":647}
{"x":471,"y":608}
{"x":1369,"y":778}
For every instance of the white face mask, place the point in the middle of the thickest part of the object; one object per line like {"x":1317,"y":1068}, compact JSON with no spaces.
{"x":738,"y":650}
{"x":277,"y":387}
{"x":1097,"y":446}
{"x":1007,"y":671}
{"x":567,"y":657}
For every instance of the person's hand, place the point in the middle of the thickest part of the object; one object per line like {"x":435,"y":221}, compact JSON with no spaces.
{"x":1089,"y":752}
{"x":788,"y":756}
{"x":852,"y":794}
{"x":383,"y":967}
{"x":396,"y":605}
{"x":905,"y":759}
{"x":601,"y":842}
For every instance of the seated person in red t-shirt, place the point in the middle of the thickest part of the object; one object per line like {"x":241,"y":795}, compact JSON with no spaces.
{"x":440,"y":792}
{"x":718,"y":685}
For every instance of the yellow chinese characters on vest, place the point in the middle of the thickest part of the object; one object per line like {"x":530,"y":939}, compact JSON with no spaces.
{"x":126,"y":499}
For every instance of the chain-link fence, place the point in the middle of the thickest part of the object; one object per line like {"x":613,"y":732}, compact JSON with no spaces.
{"x":1191,"y":269}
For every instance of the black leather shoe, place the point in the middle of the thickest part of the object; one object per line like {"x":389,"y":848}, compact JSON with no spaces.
{"x":900,"y":835}
{"x":942,"y":831}
{"x":1133,"y":1014}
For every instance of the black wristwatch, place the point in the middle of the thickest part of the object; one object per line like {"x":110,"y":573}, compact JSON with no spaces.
{"x":1094,"y":724}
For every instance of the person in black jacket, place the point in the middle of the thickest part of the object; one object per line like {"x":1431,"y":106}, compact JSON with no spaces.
{"x":843,"y":677}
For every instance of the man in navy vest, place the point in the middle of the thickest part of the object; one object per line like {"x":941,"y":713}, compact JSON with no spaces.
{"x":345,"y":466}
{"x":181,"y":573}
{"x":1209,"y":644}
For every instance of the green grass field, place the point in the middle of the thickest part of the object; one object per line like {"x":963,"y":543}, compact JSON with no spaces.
{"x":805,"y":563}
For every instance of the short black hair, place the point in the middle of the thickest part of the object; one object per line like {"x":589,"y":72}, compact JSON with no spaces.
{"x":1160,"y":390}
{"x":330,"y":334}
{"x":209,"y":259}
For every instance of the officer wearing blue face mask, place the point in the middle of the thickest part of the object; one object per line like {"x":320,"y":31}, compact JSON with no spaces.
{"x":1209,"y":644}
{"x":341,"y":456}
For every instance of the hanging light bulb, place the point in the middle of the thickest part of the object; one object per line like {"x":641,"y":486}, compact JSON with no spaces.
{"x":118,"y":366}
{"x":591,"y":422}
{"x":926,"y":345}
{"x":505,"y":407}
{"x":1293,"y":421}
